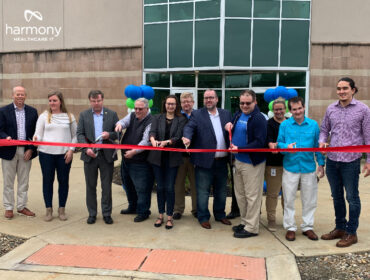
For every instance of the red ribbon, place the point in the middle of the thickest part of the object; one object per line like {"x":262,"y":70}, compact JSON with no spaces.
{"x":344,"y":149}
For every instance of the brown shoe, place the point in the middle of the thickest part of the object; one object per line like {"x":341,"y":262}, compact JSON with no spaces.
{"x":9,"y":214}
{"x":347,"y":240}
{"x":25,"y":211}
{"x":334,"y":234}
{"x":206,"y":225}
{"x":311,"y":235}
{"x":290,"y":235}
{"x":224,"y":221}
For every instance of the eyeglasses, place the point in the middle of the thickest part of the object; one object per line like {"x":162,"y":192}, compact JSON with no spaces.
{"x":139,"y":109}
{"x":171,"y":104}
{"x":245,"y":103}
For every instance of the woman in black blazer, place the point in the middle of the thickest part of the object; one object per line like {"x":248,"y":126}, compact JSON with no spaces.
{"x":166,"y":130}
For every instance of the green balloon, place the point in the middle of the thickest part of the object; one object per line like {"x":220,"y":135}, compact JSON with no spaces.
{"x":270,"y":105}
{"x":150,"y":103}
{"x":130,"y":103}
{"x":286,"y":105}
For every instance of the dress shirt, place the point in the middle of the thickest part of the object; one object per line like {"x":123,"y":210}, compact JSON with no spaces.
{"x":98,"y":125}
{"x":216,"y":123}
{"x":20,"y":116}
{"x":305,"y":135}
{"x":347,"y":126}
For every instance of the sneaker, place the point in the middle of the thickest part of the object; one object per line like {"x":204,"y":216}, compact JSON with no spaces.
{"x":238,"y":227}
{"x":271,"y":226}
{"x":25,"y":211}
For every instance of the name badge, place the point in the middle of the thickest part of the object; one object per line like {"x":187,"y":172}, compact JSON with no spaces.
{"x":273,"y":172}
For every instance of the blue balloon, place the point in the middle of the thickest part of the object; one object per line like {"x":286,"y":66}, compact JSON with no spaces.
{"x":281,"y":91}
{"x":292,"y":93}
{"x":148,"y":92}
{"x":264,"y":186}
{"x":269,"y":95}
{"x":133,"y":92}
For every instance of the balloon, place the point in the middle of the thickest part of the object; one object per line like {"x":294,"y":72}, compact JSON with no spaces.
{"x":148,"y":92}
{"x":281,"y":91}
{"x":286,"y":106}
{"x":270,"y":114}
{"x":130,"y":103}
{"x":270,"y":105}
{"x":292,"y":93}
{"x":150,"y":103}
{"x":268,"y":96}
{"x":133,"y":92}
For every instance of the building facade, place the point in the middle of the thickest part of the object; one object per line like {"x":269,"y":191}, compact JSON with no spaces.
{"x":183,"y":45}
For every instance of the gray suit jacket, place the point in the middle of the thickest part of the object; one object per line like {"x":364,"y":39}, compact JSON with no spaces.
{"x":86,"y":132}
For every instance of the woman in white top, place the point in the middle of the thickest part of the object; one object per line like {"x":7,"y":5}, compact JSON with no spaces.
{"x":55,"y":125}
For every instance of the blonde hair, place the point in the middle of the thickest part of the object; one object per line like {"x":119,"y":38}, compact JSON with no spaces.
{"x":185,"y":95}
{"x":63,"y":107}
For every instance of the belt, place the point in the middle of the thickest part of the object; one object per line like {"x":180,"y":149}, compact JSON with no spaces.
{"x":221,"y":158}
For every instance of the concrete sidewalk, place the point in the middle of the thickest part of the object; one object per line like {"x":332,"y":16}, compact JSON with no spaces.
{"x":187,"y":235}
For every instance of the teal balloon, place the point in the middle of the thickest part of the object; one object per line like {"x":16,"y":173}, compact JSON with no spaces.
{"x":130,"y":103}
{"x":150,"y":103}
{"x":270,"y":105}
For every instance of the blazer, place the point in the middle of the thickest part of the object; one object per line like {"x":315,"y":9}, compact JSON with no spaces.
{"x":158,"y":130}
{"x":86,"y":132}
{"x":8,"y":127}
{"x":200,"y":131}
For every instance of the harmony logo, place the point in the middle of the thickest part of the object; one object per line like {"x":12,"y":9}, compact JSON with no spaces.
{"x":28,"y":15}
{"x":33,"y":33}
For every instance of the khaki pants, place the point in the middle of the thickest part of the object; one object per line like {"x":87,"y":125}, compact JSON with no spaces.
{"x":17,"y":166}
{"x":273,"y":177}
{"x":248,"y":181}
{"x":186,"y":169}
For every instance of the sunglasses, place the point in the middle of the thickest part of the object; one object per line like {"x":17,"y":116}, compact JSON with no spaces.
{"x":245,"y":103}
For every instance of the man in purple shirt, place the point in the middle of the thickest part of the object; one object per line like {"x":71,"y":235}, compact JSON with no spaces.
{"x":347,"y":122}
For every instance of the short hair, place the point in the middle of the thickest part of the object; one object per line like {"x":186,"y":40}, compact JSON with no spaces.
{"x":144,"y":100}
{"x":248,"y":92}
{"x":279,"y":100}
{"x":13,"y":91}
{"x":178,"y":106}
{"x":350,"y":81}
{"x":95,"y":93}
{"x":210,"y":89}
{"x":295,"y":100}
{"x":185,"y":95}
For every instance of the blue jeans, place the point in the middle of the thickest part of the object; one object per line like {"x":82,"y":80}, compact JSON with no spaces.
{"x":215,"y":176}
{"x":141,"y":176}
{"x":49,"y":163}
{"x":165,"y":177}
{"x":345,"y":176}
{"x":129,"y":187}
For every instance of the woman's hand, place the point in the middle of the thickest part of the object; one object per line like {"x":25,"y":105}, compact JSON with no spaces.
{"x":68,"y":156}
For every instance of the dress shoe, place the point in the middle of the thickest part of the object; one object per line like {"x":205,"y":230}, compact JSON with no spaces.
{"x":9,"y":214}
{"x":334,"y":234}
{"x":128,"y":211}
{"x":311,"y":235}
{"x":177,"y":216}
{"x":224,"y":221}
{"x":91,"y":220}
{"x":206,"y":225}
{"x":233,"y":215}
{"x":27,"y":212}
{"x":158,"y":222}
{"x":244,"y":234}
{"x":238,"y":228}
{"x":290,"y":235}
{"x":347,"y":240}
{"x":169,"y":224}
{"x":108,"y":220}
{"x":139,"y":219}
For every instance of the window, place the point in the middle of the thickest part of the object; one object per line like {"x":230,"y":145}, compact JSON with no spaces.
{"x":155,"y":46}
{"x":237,"y":42}
{"x":265,"y":43}
{"x":181,"y":44}
{"x":207,"y":43}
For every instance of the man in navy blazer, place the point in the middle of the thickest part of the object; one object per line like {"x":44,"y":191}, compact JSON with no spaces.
{"x":205,"y":130}
{"x":18,"y":122}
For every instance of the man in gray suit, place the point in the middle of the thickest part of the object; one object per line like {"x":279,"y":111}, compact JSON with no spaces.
{"x":96,"y":125}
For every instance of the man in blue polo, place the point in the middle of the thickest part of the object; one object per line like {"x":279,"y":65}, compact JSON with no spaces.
{"x":300,"y":132}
